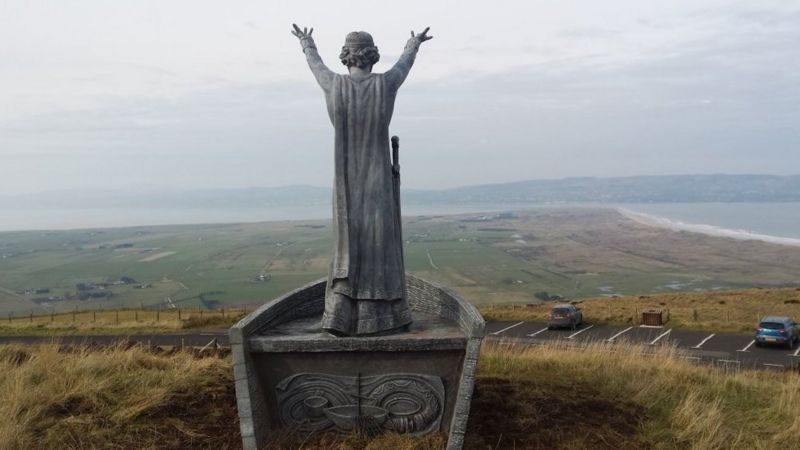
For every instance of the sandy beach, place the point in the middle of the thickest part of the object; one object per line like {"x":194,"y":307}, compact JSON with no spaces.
{"x":711,"y":230}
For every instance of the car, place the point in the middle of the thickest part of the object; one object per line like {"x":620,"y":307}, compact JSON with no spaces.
{"x":781,"y":330}
{"x":564,"y":315}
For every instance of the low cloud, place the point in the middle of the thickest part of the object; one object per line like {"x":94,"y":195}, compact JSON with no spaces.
{"x":721,"y":93}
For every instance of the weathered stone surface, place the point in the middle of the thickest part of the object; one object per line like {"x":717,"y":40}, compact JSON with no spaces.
{"x":400,"y":402}
{"x":428,"y":332}
{"x":366,"y":285}
{"x":282,"y":340}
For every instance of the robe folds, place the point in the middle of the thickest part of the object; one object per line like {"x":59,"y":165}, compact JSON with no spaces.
{"x":366,"y":290}
{"x":366,"y":286}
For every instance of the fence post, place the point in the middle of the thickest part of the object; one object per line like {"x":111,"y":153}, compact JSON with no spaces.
{"x":51,"y":317}
{"x":94,"y":316}
{"x":201,"y":312}
{"x":158,"y":314}
{"x":31,"y":317}
{"x":179,"y":314}
{"x":73,"y":313}
{"x":117,"y":316}
{"x":136,"y":315}
{"x":223,"y":312}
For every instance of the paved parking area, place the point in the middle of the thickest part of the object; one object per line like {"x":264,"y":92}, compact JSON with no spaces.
{"x":724,"y":349}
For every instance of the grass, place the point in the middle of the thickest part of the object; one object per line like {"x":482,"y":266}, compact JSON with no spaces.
{"x":735,"y":311}
{"x":356,"y":440}
{"x":644,"y":400}
{"x":53,"y":397}
{"x":601,"y":397}
{"x":120,"y":322}
{"x":573,"y":252}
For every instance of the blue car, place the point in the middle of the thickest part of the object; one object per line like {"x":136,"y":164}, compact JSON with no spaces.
{"x":779,"y":330}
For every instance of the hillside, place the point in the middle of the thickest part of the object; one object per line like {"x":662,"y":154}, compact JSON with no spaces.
{"x":603,"y":398}
{"x":639,"y":189}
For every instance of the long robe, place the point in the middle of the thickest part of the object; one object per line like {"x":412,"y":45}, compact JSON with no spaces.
{"x":366,"y":287}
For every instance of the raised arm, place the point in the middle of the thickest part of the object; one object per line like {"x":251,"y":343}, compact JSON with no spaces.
{"x":398,"y":73}
{"x":321,"y":72}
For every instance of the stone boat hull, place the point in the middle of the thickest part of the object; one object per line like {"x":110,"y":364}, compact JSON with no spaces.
{"x":291,"y":375}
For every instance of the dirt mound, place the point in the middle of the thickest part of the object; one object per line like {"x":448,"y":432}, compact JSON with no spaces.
{"x":526,"y":415}
{"x":505,"y":413}
{"x":205,"y":418}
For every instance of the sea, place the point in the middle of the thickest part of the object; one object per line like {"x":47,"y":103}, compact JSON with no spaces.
{"x":778,"y":222}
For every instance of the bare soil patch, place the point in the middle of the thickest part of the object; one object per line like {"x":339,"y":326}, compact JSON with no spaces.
{"x":522,"y":414}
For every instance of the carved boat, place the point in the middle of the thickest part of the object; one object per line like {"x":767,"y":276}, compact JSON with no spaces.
{"x":291,"y":375}
{"x":348,"y":417}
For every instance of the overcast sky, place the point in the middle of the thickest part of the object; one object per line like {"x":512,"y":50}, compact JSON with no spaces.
{"x":187,"y":94}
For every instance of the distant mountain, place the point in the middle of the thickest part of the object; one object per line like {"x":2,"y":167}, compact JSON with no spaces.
{"x":640,"y":189}
{"x":169,"y":198}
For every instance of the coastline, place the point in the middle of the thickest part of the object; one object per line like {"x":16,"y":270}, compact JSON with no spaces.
{"x":709,"y":230}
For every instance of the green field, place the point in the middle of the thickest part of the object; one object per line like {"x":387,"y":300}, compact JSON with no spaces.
{"x":573,"y":253}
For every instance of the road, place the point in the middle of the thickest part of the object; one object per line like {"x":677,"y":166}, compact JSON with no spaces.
{"x":722,"y":349}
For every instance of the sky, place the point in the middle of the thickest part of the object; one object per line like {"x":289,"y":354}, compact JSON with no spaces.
{"x":188,"y":94}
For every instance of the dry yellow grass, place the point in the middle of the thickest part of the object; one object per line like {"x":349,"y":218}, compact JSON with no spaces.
{"x":77,"y":397}
{"x":735,"y":311}
{"x":123,"y":321}
{"x":684,"y":405}
{"x":54,"y":397}
{"x":357,"y":441}
{"x":526,"y":397}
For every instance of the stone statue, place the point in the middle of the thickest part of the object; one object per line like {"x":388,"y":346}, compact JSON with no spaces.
{"x":366,"y":289}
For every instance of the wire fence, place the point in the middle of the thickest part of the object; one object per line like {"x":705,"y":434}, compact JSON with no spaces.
{"x":127,"y":315}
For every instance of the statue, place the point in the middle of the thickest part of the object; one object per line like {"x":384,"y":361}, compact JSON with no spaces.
{"x":292,"y":378}
{"x":366,"y":289}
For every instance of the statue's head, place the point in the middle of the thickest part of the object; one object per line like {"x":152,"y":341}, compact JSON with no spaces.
{"x":359,"y":50}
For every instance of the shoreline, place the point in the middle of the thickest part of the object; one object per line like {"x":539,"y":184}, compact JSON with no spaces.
{"x":709,"y":230}
{"x":172,"y":220}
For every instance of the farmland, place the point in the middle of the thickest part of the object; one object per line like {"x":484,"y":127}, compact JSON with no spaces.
{"x":519,"y":257}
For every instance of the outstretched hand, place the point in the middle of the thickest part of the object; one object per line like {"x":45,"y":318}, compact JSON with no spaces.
{"x":305,"y":33}
{"x":422,"y":37}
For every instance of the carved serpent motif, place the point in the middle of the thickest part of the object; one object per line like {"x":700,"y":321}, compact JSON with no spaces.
{"x":400,"y":392}
{"x":414,"y":403}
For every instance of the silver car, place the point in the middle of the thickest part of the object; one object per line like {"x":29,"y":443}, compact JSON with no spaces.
{"x":564,"y":315}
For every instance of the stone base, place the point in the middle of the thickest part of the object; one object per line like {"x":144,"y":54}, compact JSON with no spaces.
{"x":290,"y":374}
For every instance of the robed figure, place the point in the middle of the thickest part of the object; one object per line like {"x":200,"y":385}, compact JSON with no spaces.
{"x":366,"y":291}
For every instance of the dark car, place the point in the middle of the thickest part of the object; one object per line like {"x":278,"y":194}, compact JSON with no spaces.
{"x":780,"y":330}
{"x":564,"y":316}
